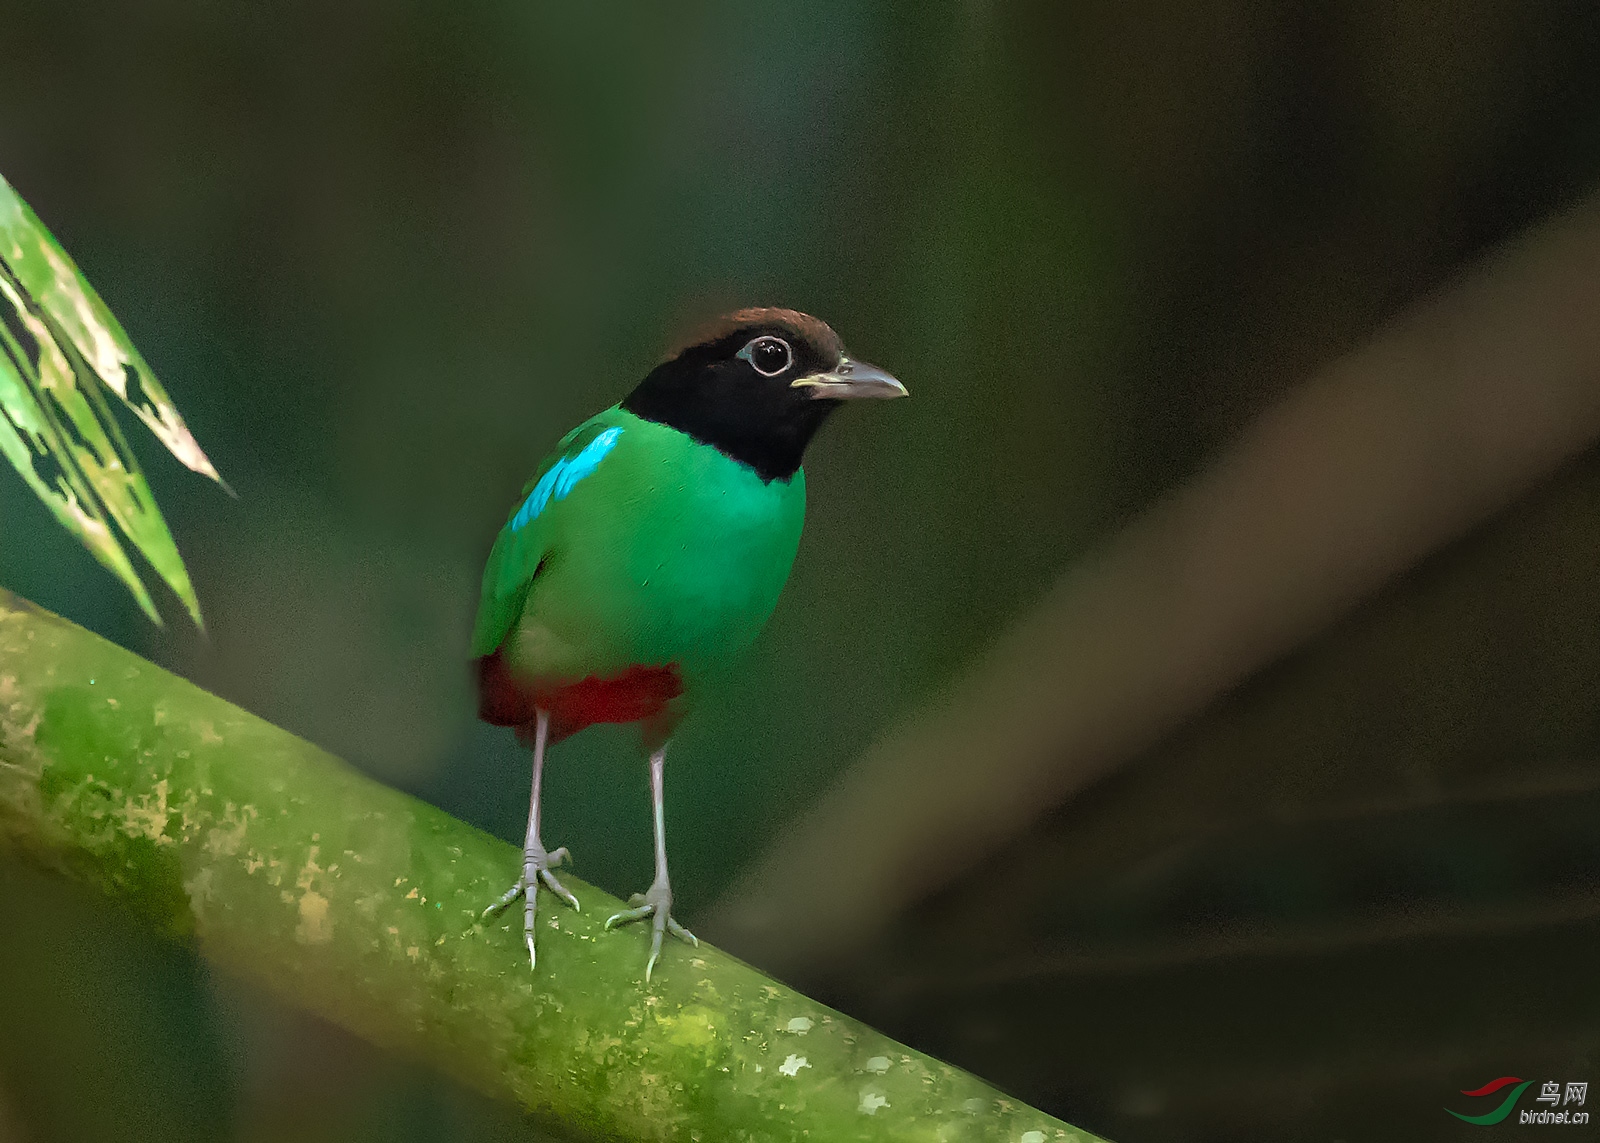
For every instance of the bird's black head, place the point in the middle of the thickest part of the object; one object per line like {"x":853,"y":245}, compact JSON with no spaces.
{"x":756,"y":385}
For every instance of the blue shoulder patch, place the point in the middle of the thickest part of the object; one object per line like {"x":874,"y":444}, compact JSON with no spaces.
{"x":563,"y":476}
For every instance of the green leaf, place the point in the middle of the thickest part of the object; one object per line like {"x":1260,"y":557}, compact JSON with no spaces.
{"x":60,"y":351}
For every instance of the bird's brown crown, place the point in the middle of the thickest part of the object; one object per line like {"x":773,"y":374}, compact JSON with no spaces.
{"x":799,"y":327}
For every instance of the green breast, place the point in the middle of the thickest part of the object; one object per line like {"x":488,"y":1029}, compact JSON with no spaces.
{"x":661,"y":550}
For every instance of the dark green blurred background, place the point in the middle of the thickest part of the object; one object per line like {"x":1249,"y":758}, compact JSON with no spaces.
{"x":382,"y":255}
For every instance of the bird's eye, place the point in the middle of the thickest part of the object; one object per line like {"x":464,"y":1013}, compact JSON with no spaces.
{"x":769,"y":355}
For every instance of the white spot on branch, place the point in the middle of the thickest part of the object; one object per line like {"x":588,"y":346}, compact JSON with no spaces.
{"x":792,"y":1065}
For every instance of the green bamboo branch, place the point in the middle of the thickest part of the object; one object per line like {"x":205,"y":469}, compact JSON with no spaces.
{"x":360,"y":904}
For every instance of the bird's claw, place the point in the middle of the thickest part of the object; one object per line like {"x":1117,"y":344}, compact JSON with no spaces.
{"x":536,"y":868}
{"x":549,"y":878}
{"x":655,"y":903}
{"x":540,"y":867}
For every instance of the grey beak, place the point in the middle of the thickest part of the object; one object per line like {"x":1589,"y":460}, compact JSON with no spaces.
{"x":852,"y":379}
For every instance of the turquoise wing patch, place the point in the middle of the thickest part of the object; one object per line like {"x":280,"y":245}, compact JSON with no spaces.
{"x":563,"y":476}
{"x":520,"y":547}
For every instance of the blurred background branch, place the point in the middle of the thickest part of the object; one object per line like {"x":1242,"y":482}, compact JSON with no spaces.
{"x":1460,"y":407}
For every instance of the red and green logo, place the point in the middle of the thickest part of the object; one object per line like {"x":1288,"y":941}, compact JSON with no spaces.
{"x":1499,"y":1113}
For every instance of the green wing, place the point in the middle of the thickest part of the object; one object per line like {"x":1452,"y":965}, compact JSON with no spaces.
{"x":523,"y":542}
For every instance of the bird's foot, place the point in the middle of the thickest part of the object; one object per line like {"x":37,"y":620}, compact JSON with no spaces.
{"x":536,"y":867}
{"x":655,"y":903}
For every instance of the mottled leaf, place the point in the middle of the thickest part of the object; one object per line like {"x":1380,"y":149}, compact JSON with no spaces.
{"x":60,"y":351}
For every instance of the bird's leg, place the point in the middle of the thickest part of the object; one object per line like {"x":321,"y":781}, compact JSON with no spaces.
{"x":655,"y":902}
{"x":536,"y":862}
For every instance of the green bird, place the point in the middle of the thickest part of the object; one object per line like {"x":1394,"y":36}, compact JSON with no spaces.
{"x":648,"y":551}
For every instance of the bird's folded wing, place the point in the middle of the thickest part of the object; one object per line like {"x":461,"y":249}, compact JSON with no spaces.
{"x":524,"y":540}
